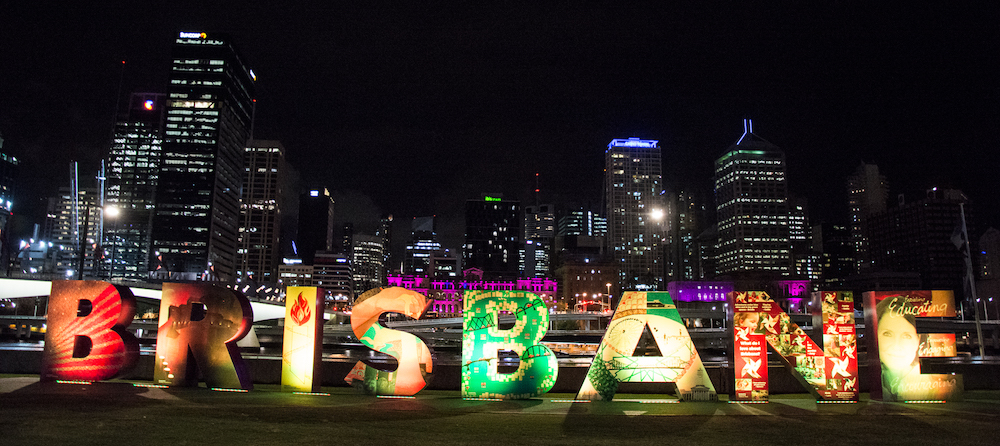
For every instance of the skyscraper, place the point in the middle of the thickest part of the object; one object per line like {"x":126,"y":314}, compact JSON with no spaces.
{"x":423,"y":244}
{"x":492,"y":235}
{"x":635,"y":211}
{"x":134,"y":171}
{"x":368,"y":263}
{"x":260,"y":210}
{"x":315,"y":224}
{"x":208,"y":119}
{"x":867,"y":193}
{"x":751,"y":198}
{"x":539,"y":235}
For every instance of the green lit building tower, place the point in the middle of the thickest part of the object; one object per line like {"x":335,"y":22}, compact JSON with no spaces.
{"x":636,"y":223}
{"x":132,"y":178}
{"x":209,"y":109}
{"x":751,"y":197}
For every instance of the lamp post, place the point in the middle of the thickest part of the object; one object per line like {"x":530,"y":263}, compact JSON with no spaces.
{"x":113,"y":213}
{"x":609,"y":294}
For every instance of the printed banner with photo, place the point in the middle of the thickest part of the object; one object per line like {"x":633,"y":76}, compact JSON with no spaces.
{"x":894,"y":344}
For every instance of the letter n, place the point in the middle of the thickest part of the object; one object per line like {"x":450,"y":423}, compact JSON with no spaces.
{"x":830,"y":374}
{"x":199,"y":327}
{"x":86,"y":337}
{"x":679,"y":362}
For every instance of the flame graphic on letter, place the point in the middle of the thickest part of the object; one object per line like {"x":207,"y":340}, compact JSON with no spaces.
{"x":300,"y":311}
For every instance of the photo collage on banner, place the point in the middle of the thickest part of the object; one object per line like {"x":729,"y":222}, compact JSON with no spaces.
{"x":830,"y":373}
{"x":483,"y":340}
{"x":412,"y":355}
{"x":894,"y":344}
{"x":655,"y":314}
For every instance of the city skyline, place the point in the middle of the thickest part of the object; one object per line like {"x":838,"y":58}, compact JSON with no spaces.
{"x":371,"y":101}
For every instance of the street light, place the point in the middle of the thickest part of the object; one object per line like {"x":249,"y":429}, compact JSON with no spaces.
{"x":609,"y":294}
{"x":113,"y":212}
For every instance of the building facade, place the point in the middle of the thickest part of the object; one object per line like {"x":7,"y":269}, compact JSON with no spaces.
{"x":133,"y":176}
{"x":493,"y":236}
{"x":867,"y":195}
{"x":637,"y":220}
{"x":315,"y":224}
{"x":752,"y":206}
{"x":209,"y":106}
{"x":261,"y":210}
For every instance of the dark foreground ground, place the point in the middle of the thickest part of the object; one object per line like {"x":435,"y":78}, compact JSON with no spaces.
{"x":111,"y":413}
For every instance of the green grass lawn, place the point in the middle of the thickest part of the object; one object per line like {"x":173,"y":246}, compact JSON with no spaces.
{"x":119,"y":413}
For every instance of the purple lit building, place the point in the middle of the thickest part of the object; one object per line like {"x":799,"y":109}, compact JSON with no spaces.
{"x":447,"y":294}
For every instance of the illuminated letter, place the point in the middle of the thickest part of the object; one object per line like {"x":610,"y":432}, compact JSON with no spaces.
{"x":86,"y":338}
{"x":895,"y":348}
{"x":678,"y":362}
{"x":203,"y":321}
{"x":482,"y":342}
{"x":412,"y":354}
{"x":830,"y":375}
{"x":302,"y":343}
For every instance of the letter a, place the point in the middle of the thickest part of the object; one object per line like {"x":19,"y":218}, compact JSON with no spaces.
{"x":678,"y":362}
{"x":204,"y":322}
{"x":482,"y":340}
{"x":86,"y":338}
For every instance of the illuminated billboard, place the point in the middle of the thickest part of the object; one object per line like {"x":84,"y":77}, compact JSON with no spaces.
{"x":483,"y":341}
{"x":86,"y":338}
{"x":895,"y":345}
{"x":652,"y":314}
{"x":199,"y":325}
{"x":302,"y":343}
{"x":829,"y":373}
{"x":412,"y":355}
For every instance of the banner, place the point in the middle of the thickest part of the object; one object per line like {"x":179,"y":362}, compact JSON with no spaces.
{"x":896,"y":347}
{"x":302,"y":343}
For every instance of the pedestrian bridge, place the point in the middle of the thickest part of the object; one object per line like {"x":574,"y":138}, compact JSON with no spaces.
{"x":29,"y":289}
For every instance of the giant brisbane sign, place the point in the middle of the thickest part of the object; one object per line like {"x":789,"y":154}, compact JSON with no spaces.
{"x":201,"y":323}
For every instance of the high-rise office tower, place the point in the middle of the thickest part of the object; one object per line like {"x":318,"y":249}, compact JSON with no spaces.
{"x":539,"y":235}
{"x":315,"y":224}
{"x":492,"y":236}
{"x":637,"y":222}
{"x":133,"y":175}
{"x":72,"y":227}
{"x":867,"y":193}
{"x":367,"y":263}
{"x":208,"y":119}
{"x":751,"y":197}
{"x":8,"y":172}
{"x":423,"y":244}
{"x":916,"y":236}
{"x":688,"y":222}
{"x":332,"y":272}
{"x":260,"y":210}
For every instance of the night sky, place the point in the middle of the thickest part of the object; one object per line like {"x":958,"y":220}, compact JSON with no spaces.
{"x":413,"y":109}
